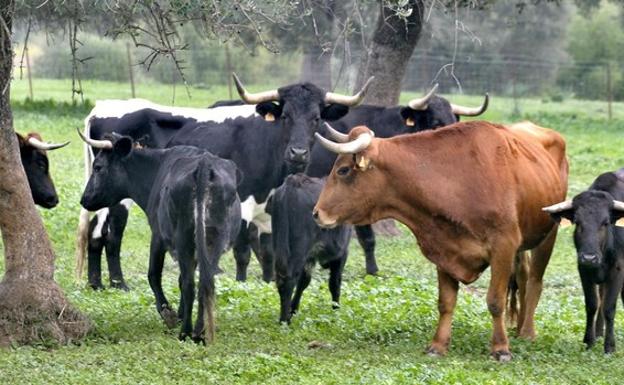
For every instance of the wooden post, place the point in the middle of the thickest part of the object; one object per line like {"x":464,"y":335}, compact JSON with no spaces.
{"x":29,"y":74}
{"x":228,"y":69}
{"x":130,"y":72}
{"x":609,"y":92}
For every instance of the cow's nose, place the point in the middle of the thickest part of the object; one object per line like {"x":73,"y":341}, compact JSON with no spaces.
{"x":315,"y":213}
{"x":51,"y":201}
{"x":298,"y":154}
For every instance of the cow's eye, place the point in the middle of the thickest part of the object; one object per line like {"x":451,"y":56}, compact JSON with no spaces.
{"x":342,"y":171}
{"x":97,"y":168}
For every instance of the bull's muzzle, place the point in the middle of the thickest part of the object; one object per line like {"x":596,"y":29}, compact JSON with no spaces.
{"x":323,"y":220}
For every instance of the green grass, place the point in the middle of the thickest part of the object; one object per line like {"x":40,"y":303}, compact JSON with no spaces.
{"x":377,"y":336}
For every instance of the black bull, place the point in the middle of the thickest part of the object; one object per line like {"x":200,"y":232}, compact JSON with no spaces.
{"x":37,"y":168}
{"x":265,"y":148}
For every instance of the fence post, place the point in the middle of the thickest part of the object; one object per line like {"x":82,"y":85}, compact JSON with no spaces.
{"x":29,"y":74}
{"x":609,"y":92}
{"x":228,"y":69}
{"x":130,"y":72}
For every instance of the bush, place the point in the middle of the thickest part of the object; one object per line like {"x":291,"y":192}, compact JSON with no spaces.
{"x":108,"y":60}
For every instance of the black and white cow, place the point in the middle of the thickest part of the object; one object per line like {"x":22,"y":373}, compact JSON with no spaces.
{"x":265,"y":148}
{"x":426,"y":113}
{"x":299,"y":242}
{"x":190,"y":199}
{"x":37,"y":168}
{"x":599,"y":245}
{"x":152,"y":125}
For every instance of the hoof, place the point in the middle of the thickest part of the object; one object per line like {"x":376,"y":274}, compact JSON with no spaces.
{"x":199,"y":340}
{"x":372,"y":270}
{"x":169,"y":316}
{"x":121,"y":285}
{"x":609,"y":349}
{"x":335,"y":305}
{"x":501,"y":356}
{"x":433,"y":352}
{"x":96,"y":286}
{"x":183,"y":336}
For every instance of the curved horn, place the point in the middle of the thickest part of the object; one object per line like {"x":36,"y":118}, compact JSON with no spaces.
{"x":105,"y":144}
{"x":618,"y":205}
{"x":558,"y":207}
{"x":256,"y":98}
{"x":36,"y":143}
{"x":471,"y":111}
{"x":420,"y":104}
{"x":351,"y":101}
{"x":336,"y":135}
{"x":352,"y":147}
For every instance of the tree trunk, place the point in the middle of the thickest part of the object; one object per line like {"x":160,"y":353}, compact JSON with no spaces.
{"x":33,"y":307}
{"x":392,"y":45}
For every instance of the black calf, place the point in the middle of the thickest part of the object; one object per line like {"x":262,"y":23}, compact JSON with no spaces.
{"x":298,"y":242}
{"x":190,"y":199}
{"x":600,"y":251}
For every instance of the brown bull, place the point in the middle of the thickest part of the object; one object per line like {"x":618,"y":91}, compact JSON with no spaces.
{"x":472,"y":195}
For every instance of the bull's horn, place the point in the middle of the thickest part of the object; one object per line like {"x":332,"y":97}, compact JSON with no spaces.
{"x":351,"y":101}
{"x":336,"y":135}
{"x":249,"y":98}
{"x":105,"y":144}
{"x":420,"y":104}
{"x":618,"y":205}
{"x":352,"y":147}
{"x":558,"y":207}
{"x":471,"y":111}
{"x":36,"y":143}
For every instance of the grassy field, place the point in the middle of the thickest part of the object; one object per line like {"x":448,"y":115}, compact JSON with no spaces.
{"x":385,"y":322}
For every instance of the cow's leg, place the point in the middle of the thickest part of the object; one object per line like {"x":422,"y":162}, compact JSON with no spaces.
{"x":117,"y":220}
{"x":522,"y":269}
{"x":242,"y":252}
{"x":366,"y":237}
{"x":187,"y":274}
{"x":600,"y":324}
{"x":302,"y":284}
{"x":285,"y":285}
{"x":336,"y":268}
{"x":154,"y":275}
{"x":591,"y":307}
{"x":502,"y":260}
{"x":94,"y":252}
{"x":613,"y":285}
{"x":268,"y":257}
{"x":447,"y":298}
{"x":540,"y":256}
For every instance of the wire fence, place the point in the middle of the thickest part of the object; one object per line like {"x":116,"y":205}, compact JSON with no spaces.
{"x":464,"y":73}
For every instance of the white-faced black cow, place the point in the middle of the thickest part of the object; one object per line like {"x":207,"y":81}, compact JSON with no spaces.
{"x":420,"y":114}
{"x":189,"y":197}
{"x":37,"y":168}
{"x":299,"y":242}
{"x":153,"y":125}
{"x":599,"y":250}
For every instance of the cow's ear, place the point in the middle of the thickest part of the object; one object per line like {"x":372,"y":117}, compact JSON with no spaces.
{"x":618,"y":218}
{"x":333,"y":112}
{"x":123,"y":146}
{"x":408,"y":116}
{"x":564,"y":218}
{"x":269,"y":110}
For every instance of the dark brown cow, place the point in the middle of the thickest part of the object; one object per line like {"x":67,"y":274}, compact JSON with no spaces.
{"x":474,"y":206}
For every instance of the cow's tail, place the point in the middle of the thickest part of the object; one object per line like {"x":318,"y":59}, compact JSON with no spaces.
{"x":280,"y":223}
{"x":206,"y":258}
{"x":82,"y":236}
